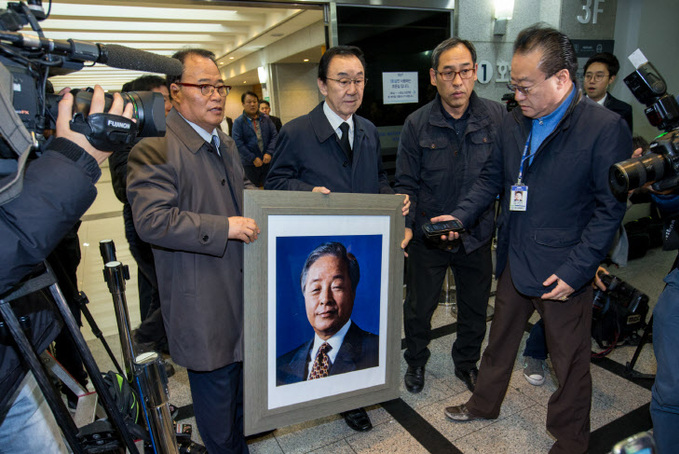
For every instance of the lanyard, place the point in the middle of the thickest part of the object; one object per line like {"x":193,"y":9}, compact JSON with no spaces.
{"x":525,"y":156}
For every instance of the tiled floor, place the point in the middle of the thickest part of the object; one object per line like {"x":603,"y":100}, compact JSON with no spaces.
{"x":415,"y":423}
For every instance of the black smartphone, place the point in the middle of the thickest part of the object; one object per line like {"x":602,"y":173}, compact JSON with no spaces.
{"x":437,"y":229}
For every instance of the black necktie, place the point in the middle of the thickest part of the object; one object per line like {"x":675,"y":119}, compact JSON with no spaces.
{"x":344,"y":141}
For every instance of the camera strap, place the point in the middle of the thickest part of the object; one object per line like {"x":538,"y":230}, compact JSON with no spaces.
{"x":106,"y":132}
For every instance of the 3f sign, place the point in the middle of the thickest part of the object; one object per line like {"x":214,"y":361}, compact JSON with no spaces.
{"x":590,"y":13}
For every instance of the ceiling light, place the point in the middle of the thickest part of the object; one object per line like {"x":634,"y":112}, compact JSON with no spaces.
{"x":231,"y":58}
{"x":306,"y":60}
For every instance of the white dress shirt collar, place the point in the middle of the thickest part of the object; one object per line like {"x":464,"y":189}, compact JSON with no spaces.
{"x":335,"y":342}
{"x":335,"y":122}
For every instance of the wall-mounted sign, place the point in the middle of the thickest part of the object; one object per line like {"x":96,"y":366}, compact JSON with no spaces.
{"x":399,"y":88}
{"x":484,"y":73}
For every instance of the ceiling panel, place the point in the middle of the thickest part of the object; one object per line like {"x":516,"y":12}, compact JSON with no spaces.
{"x":165,"y":26}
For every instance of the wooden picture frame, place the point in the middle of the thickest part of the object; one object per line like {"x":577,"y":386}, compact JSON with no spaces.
{"x":371,"y":227}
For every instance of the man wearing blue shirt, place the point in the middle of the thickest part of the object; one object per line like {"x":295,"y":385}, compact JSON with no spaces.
{"x":557,"y":149}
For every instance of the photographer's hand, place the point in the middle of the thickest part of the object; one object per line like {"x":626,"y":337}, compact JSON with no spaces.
{"x":66,"y":113}
{"x":597,"y":279}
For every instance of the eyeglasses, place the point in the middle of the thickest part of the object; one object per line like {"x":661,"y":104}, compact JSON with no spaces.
{"x":526,"y":91}
{"x":208,"y":89}
{"x":597,"y":77}
{"x":344,"y":83}
{"x":450,"y":75}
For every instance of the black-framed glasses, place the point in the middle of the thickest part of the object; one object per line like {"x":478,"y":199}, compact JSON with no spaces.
{"x":526,"y":91}
{"x":208,"y":89}
{"x":466,"y":73}
{"x":345,"y":82}
{"x":597,"y":77}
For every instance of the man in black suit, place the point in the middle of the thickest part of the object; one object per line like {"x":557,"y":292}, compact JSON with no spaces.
{"x":329,"y":279}
{"x":265,"y":108}
{"x":600,"y":73}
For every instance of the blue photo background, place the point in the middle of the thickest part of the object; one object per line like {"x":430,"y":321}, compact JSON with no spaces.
{"x":292,"y":325}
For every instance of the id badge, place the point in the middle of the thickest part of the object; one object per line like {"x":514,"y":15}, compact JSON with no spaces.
{"x":519,"y":198}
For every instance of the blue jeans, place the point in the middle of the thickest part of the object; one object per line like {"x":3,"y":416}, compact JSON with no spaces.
{"x":665,"y":397}
{"x":28,"y":424}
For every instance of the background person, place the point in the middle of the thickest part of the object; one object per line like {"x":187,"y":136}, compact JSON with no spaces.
{"x":255,"y":137}
{"x":265,"y":108}
{"x":600,"y":73}
{"x":151,"y":333}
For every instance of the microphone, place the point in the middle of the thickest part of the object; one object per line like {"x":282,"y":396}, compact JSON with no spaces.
{"x":112,"y":55}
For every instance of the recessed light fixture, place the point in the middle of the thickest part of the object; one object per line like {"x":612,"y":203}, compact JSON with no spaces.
{"x":231,"y":58}
{"x":245,"y":81}
{"x":306,"y":60}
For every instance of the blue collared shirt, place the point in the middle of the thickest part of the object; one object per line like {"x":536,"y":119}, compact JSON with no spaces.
{"x":543,"y":126}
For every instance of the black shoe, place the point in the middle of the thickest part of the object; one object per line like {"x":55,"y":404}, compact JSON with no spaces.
{"x":469,"y":377}
{"x":460,"y":413}
{"x":358,"y":420}
{"x":414,"y":379}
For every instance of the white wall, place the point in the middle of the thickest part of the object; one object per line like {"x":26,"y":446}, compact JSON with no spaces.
{"x":295,"y":91}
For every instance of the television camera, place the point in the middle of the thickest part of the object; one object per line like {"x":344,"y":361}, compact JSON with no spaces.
{"x":660,"y":165}
{"x":26,"y":109}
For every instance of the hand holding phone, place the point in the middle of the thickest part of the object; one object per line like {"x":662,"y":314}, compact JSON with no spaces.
{"x":437,"y":229}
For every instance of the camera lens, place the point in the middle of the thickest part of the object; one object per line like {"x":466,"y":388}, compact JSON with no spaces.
{"x":631,"y":174}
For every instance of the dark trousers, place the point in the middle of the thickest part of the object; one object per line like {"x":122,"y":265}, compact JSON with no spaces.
{"x":256,"y":175}
{"x":218,"y":406}
{"x":426,"y":271}
{"x":567,"y":329}
{"x":536,"y":346}
{"x":151,"y":328}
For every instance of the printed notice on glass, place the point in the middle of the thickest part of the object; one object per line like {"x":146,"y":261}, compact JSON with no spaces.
{"x":399,"y":88}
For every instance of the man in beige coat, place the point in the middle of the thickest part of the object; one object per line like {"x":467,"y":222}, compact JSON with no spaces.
{"x":186,"y":192}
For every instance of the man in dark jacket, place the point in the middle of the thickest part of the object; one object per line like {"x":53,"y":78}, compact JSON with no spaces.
{"x":31,"y":225}
{"x":441,"y":152}
{"x":333,"y":149}
{"x":265,"y":108}
{"x":556,"y":148}
{"x":151,"y":331}
{"x":600,"y":73}
{"x":255,"y":137}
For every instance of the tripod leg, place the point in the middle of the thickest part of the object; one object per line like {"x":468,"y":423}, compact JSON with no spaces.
{"x":57,"y":406}
{"x":96,"y":331}
{"x":93,"y":371}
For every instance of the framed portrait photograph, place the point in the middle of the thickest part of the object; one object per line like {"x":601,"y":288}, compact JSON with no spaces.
{"x":323,"y":305}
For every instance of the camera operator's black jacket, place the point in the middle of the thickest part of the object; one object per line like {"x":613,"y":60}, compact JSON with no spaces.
{"x":58,"y":188}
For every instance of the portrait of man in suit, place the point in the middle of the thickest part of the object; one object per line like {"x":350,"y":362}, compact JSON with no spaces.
{"x":328,"y":280}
